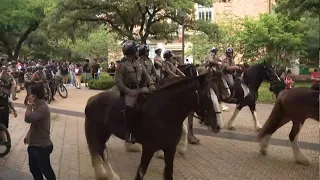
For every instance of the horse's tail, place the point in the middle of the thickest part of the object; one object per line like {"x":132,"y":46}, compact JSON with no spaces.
{"x":275,"y":117}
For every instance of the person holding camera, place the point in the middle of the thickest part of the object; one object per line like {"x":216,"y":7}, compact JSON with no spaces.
{"x":38,"y":137}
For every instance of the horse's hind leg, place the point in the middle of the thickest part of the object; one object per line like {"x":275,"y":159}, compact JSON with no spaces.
{"x":191,"y":138}
{"x":146,"y":157}
{"x":293,"y":136}
{"x":257,"y":125}
{"x":110,"y":173}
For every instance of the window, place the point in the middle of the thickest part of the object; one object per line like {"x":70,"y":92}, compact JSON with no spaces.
{"x":204,"y":13}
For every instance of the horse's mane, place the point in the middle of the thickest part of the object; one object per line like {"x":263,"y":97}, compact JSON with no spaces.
{"x":177,"y":86}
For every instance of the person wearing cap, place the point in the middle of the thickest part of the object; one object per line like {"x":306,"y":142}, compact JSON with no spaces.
{"x":170,"y":70}
{"x":147,"y":62}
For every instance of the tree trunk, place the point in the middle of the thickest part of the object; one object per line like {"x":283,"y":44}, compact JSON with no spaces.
{"x":31,"y":28}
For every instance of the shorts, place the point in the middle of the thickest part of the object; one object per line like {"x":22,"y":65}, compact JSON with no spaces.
{"x":87,"y":75}
{"x":4,"y":120}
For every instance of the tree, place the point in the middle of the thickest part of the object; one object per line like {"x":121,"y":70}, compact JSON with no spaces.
{"x":295,"y":9}
{"x":19,"y":18}
{"x":134,"y":20}
{"x":273,"y":38}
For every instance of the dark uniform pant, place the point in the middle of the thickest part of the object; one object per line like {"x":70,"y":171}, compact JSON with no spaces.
{"x":39,"y":162}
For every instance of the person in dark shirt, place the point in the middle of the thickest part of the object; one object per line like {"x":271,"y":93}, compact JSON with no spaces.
{"x":86,"y":71}
{"x":64,"y":72}
{"x":38,"y":137}
{"x":95,"y":68}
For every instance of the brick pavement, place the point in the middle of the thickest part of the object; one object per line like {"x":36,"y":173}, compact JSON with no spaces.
{"x":214,"y":158}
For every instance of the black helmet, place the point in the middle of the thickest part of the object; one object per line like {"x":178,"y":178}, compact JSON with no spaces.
{"x":129,"y":47}
{"x":40,"y":67}
{"x":167,"y":54}
{"x":29,"y":68}
{"x":34,"y":68}
{"x":143,"y":49}
{"x":229,"y":50}
{"x":214,"y":49}
{"x":158,"y":50}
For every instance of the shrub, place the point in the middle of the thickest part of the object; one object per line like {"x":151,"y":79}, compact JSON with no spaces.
{"x":105,"y":82}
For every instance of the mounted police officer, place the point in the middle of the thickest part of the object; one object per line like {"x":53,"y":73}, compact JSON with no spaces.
{"x":28,"y":82}
{"x":212,"y":61}
{"x":170,"y":70}
{"x":158,"y":61}
{"x":147,"y":62}
{"x":229,"y":66}
{"x":128,"y":78}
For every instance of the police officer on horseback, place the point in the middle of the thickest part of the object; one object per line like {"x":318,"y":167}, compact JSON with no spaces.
{"x":147,"y":62}
{"x":212,"y":61}
{"x":229,"y":66}
{"x":128,"y":79}
{"x":158,"y":61}
{"x":170,"y":70}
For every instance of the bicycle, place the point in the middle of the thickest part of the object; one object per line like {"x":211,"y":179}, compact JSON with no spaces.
{"x":58,"y":86}
{"x":7,"y":144}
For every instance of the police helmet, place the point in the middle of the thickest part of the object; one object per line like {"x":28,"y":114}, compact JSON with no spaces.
{"x":29,"y":68}
{"x":40,"y":67}
{"x":143,"y":49}
{"x":229,"y":50}
{"x":167,"y":54}
{"x":158,"y":50}
{"x":129,"y":47}
{"x":4,"y":68}
{"x":47,"y":66}
{"x":214,"y":49}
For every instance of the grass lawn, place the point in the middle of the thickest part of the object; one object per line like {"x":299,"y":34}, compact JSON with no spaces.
{"x":265,"y":96}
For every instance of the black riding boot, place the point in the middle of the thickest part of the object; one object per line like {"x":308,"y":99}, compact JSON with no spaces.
{"x":128,"y":117}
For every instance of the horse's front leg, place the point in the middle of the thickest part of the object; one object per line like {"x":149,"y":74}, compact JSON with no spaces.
{"x":183,"y":143}
{"x":146,"y":157}
{"x":257,"y":125}
{"x":191,"y":138}
{"x":168,"y":159}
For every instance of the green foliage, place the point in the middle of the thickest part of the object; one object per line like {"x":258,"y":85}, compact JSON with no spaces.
{"x":265,"y":96}
{"x":273,"y":38}
{"x":298,"y":8}
{"x":18,"y":19}
{"x":105,"y":82}
{"x":223,"y":34}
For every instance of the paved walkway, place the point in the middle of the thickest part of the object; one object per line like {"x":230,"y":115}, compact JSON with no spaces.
{"x":227,"y":155}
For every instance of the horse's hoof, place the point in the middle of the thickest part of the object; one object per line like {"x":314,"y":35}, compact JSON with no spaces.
{"x":264,"y":151}
{"x":226,"y":109}
{"x":232,"y":128}
{"x":258,"y":129}
{"x":193,"y":140}
{"x":303,"y":162}
{"x":160,"y":154}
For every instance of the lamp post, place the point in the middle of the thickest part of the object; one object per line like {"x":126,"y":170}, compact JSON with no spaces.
{"x":183,"y":16}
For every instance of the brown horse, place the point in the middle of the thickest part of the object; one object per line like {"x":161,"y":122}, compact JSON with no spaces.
{"x":159,"y":120}
{"x":294,"y":105}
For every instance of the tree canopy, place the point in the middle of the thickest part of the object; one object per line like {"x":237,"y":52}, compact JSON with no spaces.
{"x":134,"y":20}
